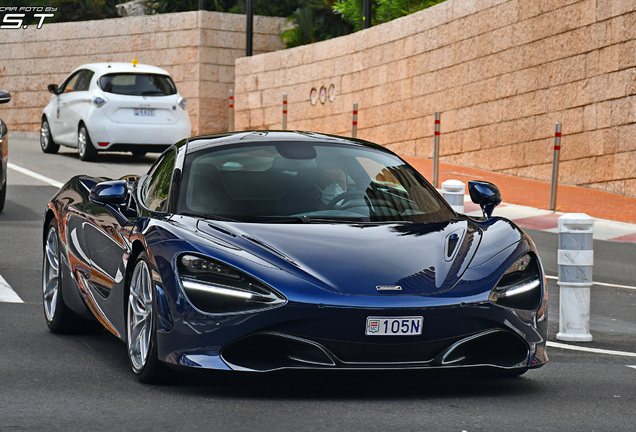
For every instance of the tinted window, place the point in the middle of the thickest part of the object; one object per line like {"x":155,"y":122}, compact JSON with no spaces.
{"x":70,"y":83}
{"x":138,"y":84}
{"x":84,"y":80}
{"x":157,"y":186}
{"x":276,"y":181}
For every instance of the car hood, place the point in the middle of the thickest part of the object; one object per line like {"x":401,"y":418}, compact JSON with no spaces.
{"x":363,"y":259}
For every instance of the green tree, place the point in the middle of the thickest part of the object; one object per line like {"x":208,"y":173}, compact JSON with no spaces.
{"x":385,"y":10}
{"x":314,"y":20}
{"x":280,"y":8}
{"x":171,"y":6}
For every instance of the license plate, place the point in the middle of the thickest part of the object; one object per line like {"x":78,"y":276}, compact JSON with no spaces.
{"x":144,"y":112}
{"x":394,"y":326}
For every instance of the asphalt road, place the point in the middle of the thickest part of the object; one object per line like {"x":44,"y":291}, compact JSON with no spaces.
{"x":83,"y":382}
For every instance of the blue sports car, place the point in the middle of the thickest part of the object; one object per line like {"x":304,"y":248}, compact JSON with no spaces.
{"x":260,"y":251}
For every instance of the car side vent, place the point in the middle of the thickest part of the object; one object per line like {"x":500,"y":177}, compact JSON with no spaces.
{"x":453,"y":240}
{"x":452,"y":244}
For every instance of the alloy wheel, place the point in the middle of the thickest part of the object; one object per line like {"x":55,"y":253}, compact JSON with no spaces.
{"x":140,"y":316}
{"x":45,"y":135}
{"x":51,"y":274}
{"x":81,"y":142}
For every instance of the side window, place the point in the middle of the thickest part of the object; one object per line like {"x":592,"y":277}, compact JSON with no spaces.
{"x":157,"y":186}
{"x":84,"y":81}
{"x":70,"y":83}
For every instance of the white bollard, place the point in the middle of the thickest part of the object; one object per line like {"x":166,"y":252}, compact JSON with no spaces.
{"x":575,"y":259}
{"x":453,"y":192}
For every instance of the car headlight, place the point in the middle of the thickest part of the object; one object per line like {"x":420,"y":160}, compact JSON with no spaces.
{"x":98,"y":101}
{"x":214,"y":287}
{"x":520,"y":285}
{"x":182,"y":102}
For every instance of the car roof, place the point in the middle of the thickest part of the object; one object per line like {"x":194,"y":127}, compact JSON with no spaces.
{"x":266,"y":136}
{"x":114,"y":67}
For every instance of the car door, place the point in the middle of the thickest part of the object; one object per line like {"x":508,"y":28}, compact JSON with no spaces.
{"x":62,"y":126}
{"x":77,"y":103}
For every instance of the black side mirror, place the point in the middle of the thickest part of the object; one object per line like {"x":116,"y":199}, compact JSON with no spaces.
{"x":485,"y":194}
{"x":52,"y":88}
{"x":113,"y":192}
{"x":5,"y":97}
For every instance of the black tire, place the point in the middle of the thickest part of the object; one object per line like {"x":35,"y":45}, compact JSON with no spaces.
{"x":141,"y":294}
{"x":3,"y":194}
{"x":85,"y":148}
{"x":46,"y":139}
{"x":59,"y":318}
{"x":139,"y":152}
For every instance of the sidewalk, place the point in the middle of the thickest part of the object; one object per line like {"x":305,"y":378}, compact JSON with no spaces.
{"x":527,"y":201}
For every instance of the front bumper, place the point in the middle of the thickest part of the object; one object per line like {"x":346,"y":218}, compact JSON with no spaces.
{"x":299,"y":336}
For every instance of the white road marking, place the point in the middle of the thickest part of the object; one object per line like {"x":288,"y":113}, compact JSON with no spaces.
{"x":631,"y":366}
{"x":35,"y":175}
{"x":7,"y":295}
{"x":600,"y":283}
{"x":591,"y":350}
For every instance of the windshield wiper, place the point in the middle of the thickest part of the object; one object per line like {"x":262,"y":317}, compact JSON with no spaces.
{"x":208,"y":216}
{"x":307,"y":220}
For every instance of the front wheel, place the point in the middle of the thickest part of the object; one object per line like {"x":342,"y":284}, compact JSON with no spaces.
{"x":46,"y":139}
{"x":59,"y":318}
{"x":141,"y":319}
{"x":85,"y":148}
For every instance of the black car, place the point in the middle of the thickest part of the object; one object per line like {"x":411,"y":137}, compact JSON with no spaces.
{"x":5,"y":97}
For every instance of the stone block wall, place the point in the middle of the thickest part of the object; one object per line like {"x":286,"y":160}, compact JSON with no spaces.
{"x":197,"y":48}
{"x":501,"y":72}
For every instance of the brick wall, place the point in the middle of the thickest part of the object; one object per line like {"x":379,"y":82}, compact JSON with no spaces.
{"x":197,"y":48}
{"x":502,"y":72}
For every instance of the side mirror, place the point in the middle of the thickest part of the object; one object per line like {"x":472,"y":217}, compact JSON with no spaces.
{"x":5,"y":97}
{"x":485,"y":194}
{"x":113,"y":192}
{"x":52,"y":88}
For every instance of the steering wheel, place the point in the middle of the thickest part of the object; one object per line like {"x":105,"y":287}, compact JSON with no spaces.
{"x":345,"y":197}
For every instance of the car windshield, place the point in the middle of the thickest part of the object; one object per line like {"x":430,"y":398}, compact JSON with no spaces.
{"x":297,"y":182}
{"x":137,"y":84}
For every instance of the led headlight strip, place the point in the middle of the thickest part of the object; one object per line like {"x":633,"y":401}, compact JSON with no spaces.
{"x":519,"y":289}
{"x":189,"y":284}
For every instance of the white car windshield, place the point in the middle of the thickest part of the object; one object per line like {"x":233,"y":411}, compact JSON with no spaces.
{"x":297,"y":181}
{"x":136,"y":84}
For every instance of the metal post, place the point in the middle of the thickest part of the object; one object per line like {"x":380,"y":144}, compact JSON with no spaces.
{"x":575,"y":259}
{"x":230,"y":115}
{"x":453,"y":192}
{"x":249,"y":28}
{"x":436,"y":151}
{"x":201,"y":4}
{"x":366,"y":14}
{"x":555,"y":167}
{"x":284,"y":112}
{"x":354,"y":123}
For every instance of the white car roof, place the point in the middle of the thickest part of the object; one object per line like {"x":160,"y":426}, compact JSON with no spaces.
{"x":105,"y":68}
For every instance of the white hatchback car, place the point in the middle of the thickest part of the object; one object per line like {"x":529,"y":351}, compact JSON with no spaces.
{"x":114,"y":107}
